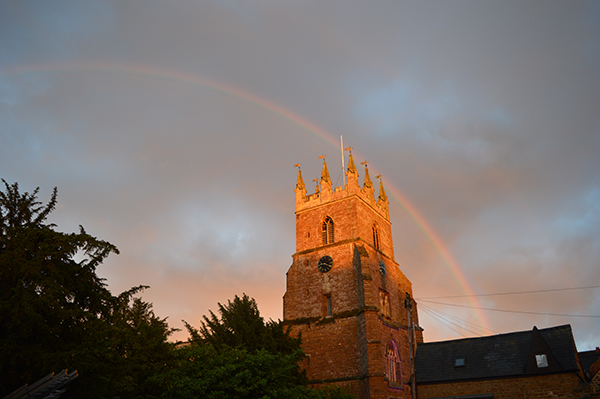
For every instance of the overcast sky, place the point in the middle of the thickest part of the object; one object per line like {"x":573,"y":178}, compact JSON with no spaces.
{"x":171,"y":129}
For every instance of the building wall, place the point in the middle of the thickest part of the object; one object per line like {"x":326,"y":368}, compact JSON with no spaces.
{"x":594,"y":389}
{"x":349,"y":347}
{"x":566,"y":385}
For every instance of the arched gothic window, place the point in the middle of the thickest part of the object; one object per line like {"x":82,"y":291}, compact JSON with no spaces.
{"x":393,"y":366}
{"x":375,"y":236}
{"x":327,"y":229}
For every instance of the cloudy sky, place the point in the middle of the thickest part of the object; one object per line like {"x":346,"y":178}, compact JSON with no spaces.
{"x":171,"y":129}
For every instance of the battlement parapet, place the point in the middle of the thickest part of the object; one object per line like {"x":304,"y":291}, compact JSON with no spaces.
{"x":316,"y":199}
{"x":325,"y":193}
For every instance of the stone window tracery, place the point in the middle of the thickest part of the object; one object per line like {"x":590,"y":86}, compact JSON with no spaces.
{"x":327,"y":231}
{"x":393,"y":369}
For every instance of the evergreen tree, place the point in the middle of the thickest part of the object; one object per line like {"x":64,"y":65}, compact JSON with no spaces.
{"x":239,"y":325}
{"x":56,"y":312}
{"x":203,"y":371}
{"x":237,"y":355}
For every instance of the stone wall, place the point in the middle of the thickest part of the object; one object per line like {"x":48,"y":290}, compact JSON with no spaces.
{"x":566,"y":385}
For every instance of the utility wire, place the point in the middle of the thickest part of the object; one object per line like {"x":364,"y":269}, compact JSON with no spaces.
{"x":510,"y":293}
{"x":512,"y":311}
{"x":444,"y":322}
{"x":445,"y":319}
{"x":448,"y":316}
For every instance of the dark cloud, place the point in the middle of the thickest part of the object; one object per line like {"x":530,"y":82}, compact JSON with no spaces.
{"x":484,"y":116}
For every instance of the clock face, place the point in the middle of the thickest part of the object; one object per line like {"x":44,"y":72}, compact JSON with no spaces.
{"x":382,"y":268}
{"x":325,"y":264}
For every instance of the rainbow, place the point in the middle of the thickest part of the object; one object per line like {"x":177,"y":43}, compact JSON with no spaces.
{"x":177,"y":76}
{"x":242,"y":95}
{"x":442,"y":249}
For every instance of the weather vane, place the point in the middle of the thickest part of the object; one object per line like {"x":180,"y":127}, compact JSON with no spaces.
{"x":349,"y":149}
{"x":297,"y":166}
{"x":322,"y":157}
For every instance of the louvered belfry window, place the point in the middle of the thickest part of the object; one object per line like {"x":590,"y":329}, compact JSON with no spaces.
{"x":375,"y":236}
{"x":327,"y":231}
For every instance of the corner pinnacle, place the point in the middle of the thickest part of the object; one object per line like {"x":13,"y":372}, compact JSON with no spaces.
{"x":325,"y":173}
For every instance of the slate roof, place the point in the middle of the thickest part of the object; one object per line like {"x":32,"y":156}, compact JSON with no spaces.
{"x":590,"y":362}
{"x":588,"y":358}
{"x":504,"y":355}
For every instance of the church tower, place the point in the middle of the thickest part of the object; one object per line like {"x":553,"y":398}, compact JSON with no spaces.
{"x":345,"y":293}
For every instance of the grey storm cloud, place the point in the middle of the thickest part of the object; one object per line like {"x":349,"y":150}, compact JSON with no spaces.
{"x":171,"y":130}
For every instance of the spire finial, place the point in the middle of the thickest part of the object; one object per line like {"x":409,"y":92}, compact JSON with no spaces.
{"x":300,"y":182}
{"x":317,"y":190}
{"x":351,"y":166}
{"x":325,"y":173}
{"x":382,"y":195}
{"x":368,"y":183}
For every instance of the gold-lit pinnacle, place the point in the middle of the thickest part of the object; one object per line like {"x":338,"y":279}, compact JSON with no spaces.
{"x":300,"y":181}
{"x":367,"y":182}
{"x":382,"y":195}
{"x":351,"y":166}
{"x":325,"y":173}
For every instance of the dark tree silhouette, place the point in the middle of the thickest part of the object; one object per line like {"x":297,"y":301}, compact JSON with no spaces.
{"x":239,"y":325}
{"x":56,"y":312}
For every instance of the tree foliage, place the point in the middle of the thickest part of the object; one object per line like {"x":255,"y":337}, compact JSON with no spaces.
{"x":239,"y":325}
{"x":203,"y":371}
{"x":238,"y":355}
{"x":57,"y":313}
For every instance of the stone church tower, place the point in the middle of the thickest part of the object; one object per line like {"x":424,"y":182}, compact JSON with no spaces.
{"x":345,"y":293}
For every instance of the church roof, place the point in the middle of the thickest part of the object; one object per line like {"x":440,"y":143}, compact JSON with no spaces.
{"x":504,"y":355}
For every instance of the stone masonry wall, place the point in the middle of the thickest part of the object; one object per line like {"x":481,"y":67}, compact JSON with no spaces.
{"x":348,"y":347}
{"x":563,"y":386}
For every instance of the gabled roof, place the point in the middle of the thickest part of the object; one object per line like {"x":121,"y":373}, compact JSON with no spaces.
{"x":496,"y":356}
{"x":590,"y":362}
{"x":588,"y":358}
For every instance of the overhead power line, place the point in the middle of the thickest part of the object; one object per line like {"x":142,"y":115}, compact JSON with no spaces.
{"x":512,"y":311}
{"x":449,"y":324}
{"x":450,"y":320}
{"x":510,"y":293}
